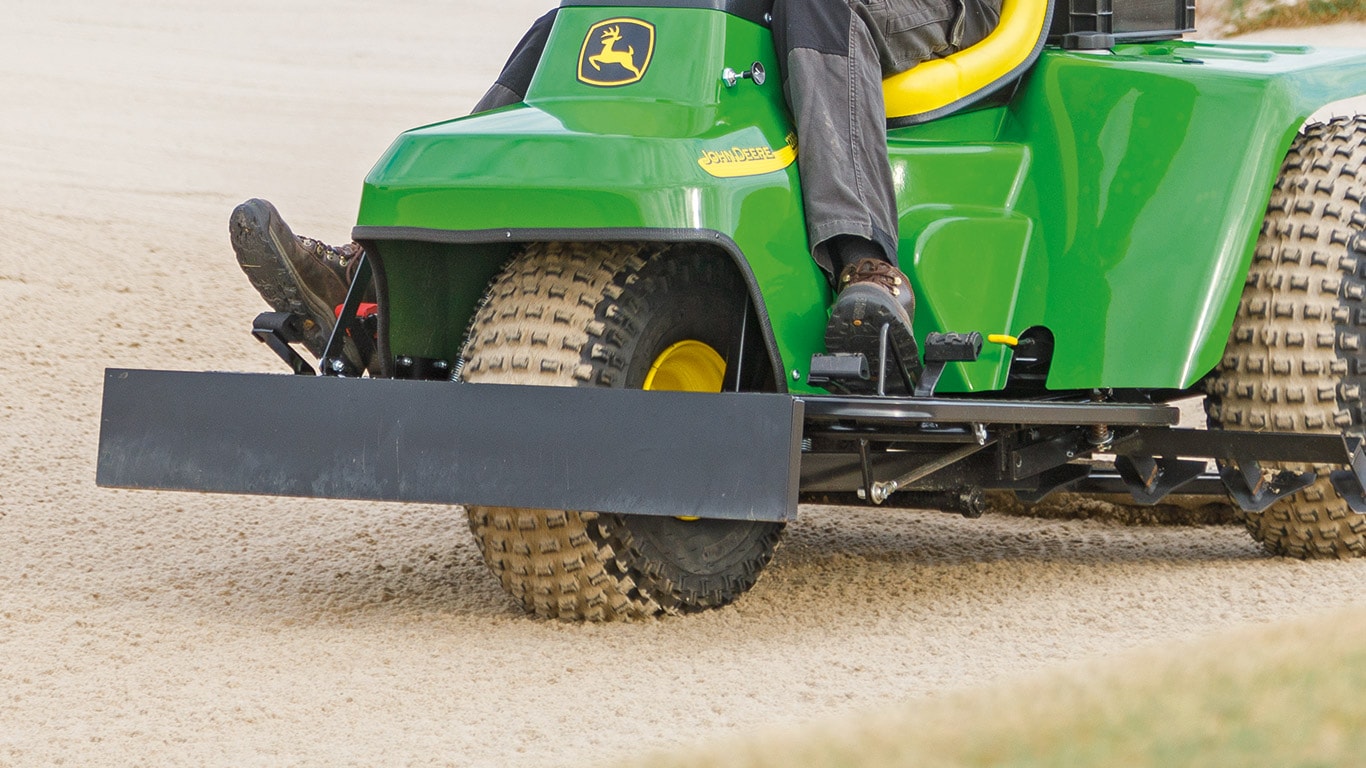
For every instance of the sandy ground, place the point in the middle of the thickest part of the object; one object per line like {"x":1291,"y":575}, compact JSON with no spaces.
{"x":176,"y":629}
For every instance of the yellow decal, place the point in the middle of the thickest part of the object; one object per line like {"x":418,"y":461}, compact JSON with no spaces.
{"x":616,"y":52}
{"x":748,"y":161}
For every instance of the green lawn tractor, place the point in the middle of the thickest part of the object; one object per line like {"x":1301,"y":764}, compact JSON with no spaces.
{"x":600,"y":330}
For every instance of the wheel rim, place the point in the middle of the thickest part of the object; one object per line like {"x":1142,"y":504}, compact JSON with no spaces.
{"x":688,"y":366}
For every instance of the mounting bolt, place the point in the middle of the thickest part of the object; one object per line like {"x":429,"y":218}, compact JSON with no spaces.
{"x":796,"y":375}
{"x":979,"y":431}
{"x":883,"y":490}
{"x":880,"y":491}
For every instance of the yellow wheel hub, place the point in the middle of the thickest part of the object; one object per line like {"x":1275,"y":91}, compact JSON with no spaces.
{"x":688,"y":366}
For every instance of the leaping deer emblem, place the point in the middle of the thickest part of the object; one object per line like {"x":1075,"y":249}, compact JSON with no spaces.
{"x":610,"y":55}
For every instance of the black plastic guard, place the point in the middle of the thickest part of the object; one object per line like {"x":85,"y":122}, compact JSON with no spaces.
{"x":731,"y":456}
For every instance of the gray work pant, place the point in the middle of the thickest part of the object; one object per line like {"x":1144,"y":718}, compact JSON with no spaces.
{"x":833,"y":55}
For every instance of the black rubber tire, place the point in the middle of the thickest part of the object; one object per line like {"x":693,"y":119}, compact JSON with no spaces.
{"x":598,"y":314}
{"x":1295,"y":360}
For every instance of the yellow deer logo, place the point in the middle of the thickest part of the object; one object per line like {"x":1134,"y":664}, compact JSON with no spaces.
{"x":629,"y":44}
{"x":609,"y":55}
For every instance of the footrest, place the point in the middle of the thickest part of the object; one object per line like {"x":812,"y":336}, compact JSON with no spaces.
{"x":278,"y":330}
{"x":942,"y":349}
{"x":953,"y":347}
{"x":837,"y":368}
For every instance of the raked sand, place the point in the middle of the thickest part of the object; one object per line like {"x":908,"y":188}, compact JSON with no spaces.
{"x":178,"y":629}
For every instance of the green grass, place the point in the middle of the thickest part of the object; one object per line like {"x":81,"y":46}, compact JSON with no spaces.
{"x":1289,"y":695}
{"x":1306,"y":13}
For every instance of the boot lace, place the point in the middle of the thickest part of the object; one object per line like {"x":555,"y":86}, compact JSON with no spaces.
{"x":873,"y":271}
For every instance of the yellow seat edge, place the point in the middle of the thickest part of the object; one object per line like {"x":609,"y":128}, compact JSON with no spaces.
{"x":938,"y":83}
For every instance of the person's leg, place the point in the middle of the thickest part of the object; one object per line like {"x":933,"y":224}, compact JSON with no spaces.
{"x":305,"y":277}
{"x":293,"y":274}
{"x":833,"y":55}
{"x":832,"y":78}
{"x":310,"y":278}
{"x":513,"y":82}
{"x":832,"y":75}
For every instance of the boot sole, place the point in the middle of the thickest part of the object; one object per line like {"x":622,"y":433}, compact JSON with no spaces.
{"x":856,"y":326}
{"x":269,"y":272}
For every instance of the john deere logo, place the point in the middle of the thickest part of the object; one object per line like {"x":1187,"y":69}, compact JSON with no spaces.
{"x":616,"y":52}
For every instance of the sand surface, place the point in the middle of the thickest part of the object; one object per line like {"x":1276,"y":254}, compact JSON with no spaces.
{"x":177,"y":629}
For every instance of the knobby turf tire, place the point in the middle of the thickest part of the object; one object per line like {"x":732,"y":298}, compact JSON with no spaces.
{"x":598,"y":314}
{"x":1295,"y":360}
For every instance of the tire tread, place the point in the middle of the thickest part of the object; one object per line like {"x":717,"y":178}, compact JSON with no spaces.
{"x":561,"y":314}
{"x":1294,"y":360}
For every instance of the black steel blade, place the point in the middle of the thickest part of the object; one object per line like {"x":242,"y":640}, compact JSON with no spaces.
{"x":664,"y":453}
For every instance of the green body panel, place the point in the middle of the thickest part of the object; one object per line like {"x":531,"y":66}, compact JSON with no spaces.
{"x":1151,"y":173}
{"x":1114,"y":200}
{"x":964,"y":242}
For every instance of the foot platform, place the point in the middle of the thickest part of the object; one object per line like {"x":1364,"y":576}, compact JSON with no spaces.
{"x":839,"y":370}
{"x":942,"y":349}
{"x":278,"y":330}
{"x":852,"y":372}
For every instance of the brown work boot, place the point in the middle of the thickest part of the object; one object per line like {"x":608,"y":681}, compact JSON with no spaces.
{"x":873,"y":293}
{"x":293,"y":274}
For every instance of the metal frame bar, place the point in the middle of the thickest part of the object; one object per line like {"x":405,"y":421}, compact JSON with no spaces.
{"x":908,"y":411}
{"x":333,"y":362}
{"x":1041,"y":446}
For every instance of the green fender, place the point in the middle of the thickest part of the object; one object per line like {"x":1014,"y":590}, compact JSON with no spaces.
{"x":676,"y":156}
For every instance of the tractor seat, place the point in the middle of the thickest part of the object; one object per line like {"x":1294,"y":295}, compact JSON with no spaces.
{"x":939,"y":87}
